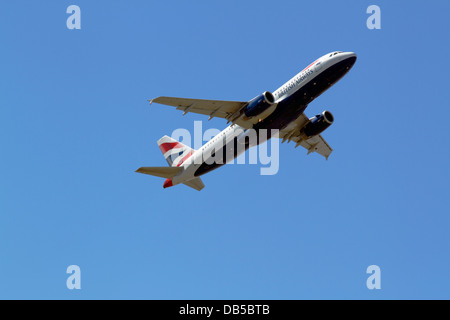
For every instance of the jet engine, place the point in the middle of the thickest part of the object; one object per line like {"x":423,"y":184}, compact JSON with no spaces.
{"x":260,"y":104}
{"x":318,"y":124}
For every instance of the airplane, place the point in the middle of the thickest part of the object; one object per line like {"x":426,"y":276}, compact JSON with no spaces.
{"x":282,"y":110}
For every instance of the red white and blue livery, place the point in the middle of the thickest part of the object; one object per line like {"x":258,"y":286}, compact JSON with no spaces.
{"x":282,"y":110}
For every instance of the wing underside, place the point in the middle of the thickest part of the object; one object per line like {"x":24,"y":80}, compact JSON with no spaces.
{"x":211,"y":108}
{"x":229,"y":110}
{"x":313,"y":144}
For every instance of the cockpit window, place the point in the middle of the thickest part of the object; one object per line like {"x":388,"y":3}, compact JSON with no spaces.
{"x":335,"y":53}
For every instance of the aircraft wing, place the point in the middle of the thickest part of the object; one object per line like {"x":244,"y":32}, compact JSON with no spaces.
{"x":229,"y":109}
{"x":313,"y":144}
{"x":212,"y":108}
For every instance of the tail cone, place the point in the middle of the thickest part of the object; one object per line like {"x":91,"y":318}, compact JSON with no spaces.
{"x":168,"y":183}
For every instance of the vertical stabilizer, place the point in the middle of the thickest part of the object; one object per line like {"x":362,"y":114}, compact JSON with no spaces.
{"x":175,"y":152}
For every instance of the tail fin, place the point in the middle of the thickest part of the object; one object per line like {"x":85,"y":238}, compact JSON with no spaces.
{"x":175,"y":152}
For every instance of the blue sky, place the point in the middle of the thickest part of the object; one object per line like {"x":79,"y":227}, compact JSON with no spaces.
{"x":75,"y":125}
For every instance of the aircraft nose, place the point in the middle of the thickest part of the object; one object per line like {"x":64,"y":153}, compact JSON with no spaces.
{"x":350,"y":57}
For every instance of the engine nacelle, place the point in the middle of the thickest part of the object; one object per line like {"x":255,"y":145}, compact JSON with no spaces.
{"x":318,"y":124}
{"x":258,"y":105}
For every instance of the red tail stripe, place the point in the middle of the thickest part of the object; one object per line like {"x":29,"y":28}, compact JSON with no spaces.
{"x":190,"y":153}
{"x":169,"y":146}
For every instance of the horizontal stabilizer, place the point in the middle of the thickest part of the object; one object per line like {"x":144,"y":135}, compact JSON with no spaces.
{"x":195,"y":183}
{"x":163,"y":172}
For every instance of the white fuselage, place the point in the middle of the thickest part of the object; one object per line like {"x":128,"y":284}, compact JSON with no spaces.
{"x":233,"y":131}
